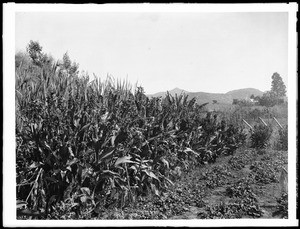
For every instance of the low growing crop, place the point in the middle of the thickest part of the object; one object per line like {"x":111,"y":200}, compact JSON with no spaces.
{"x":244,"y":197}
{"x":282,"y":206}
{"x":263,"y":172}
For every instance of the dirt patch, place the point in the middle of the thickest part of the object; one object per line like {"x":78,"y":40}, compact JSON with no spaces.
{"x":226,"y":193}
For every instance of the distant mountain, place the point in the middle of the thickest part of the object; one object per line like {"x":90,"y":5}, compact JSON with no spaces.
{"x":221,"y":98}
{"x":176,"y":90}
{"x":244,"y":93}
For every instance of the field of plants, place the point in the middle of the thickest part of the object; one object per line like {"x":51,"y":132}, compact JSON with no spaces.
{"x":102,"y":150}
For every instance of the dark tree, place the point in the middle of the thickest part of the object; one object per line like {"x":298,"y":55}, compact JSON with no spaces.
{"x":267,"y":99}
{"x":34,"y":50}
{"x":67,"y":65}
{"x":278,"y":88}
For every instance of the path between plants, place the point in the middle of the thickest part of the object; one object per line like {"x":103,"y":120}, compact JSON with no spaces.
{"x":265,"y":186}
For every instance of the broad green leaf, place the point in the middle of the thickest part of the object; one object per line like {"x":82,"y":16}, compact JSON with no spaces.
{"x":85,"y":190}
{"x":63,"y":174}
{"x":104,"y":117}
{"x":71,"y":162}
{"x":34,"y":165}
{"x":85,"y":127}
{"x":70,"y":151}
{"x":47,"y":146}
{"x":151,"y":174}
{"x":83,"y":199}
{"x":125,"y":159}
{"x":113,"y":138}
{"x":133,"y":167}
{"x":154,"y":189}
{"x":106,"y":154}
{"x":167,"y":179}
{"x":110,"y":172}
{"x":166,"y":163}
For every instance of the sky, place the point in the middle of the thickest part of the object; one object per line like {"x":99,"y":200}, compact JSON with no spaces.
{"x":194,"y":51}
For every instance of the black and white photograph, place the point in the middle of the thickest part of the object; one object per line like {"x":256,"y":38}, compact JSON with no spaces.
{"x":150,"y":115}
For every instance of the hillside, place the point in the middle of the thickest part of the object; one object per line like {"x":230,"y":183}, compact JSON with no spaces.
{"x":244,"y":93}
{"x":172,"y":92}
{"x":222,"y":98}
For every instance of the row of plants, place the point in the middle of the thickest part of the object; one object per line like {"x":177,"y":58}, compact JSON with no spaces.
{"x":262,"y":137}
{"x":85,"y":145}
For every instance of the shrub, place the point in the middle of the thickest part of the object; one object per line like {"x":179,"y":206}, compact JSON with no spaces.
{"x":260,"y":136}
{"x":282,"y":143}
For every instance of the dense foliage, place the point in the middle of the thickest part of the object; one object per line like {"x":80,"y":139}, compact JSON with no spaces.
{"x":282,"y":207}
{"x":275,"y":96}
{"x":260,"y":136}
{"x":282,"y":143}
{"x":84,"y":146}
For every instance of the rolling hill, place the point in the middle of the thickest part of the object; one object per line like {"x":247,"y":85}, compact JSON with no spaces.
{"x":221,"y":98}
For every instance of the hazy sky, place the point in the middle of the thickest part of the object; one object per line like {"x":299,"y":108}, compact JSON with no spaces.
{"x":210,"y":52}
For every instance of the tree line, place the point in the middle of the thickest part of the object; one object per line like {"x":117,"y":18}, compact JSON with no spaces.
{"x":270,"y":98}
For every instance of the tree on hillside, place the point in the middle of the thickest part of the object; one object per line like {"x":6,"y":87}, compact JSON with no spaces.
{"x":275,"y":95}
{"x":278,"y":88}
{"x":267,"y":100}
{"x":34,"y":49}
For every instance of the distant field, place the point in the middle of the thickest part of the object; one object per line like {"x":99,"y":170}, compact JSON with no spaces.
{"x":251,"y":114}
{"x":235,"y":114}
{"x":220,"y":106}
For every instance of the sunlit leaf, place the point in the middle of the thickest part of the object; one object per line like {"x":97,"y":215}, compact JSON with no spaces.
{"x":154,"y":189}
{"x":85,"y":190}
{"x":73,"y":161}
{"x":151,"y":174}
{"x":83,"y":199}
{"x":125,"y":159}
{"x":107,"y":154}
{"x":133,"y":167}
{"x":189,"y":150}
{"x":166,"y":163}
{"x":21,"y":204}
